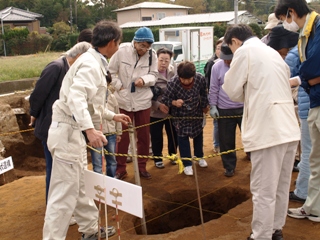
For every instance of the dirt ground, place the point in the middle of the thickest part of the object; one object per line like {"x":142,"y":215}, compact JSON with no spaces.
{"x":170,"y":199}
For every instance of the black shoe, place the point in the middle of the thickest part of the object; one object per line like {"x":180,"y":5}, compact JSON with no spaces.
{"x":295,"y":169}
{"x":295,"y":198}
{"x":277,"y":235}
{"x":248,"y":156}
{"x":229,"y":173}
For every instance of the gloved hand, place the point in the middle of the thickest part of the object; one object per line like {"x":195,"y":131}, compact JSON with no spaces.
{"x":295,"y":81}
{"x":214,"y":111}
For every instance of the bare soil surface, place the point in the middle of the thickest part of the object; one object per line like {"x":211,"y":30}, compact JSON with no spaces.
{"x":170,"y":199}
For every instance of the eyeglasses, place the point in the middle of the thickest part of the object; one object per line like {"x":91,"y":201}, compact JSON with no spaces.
{"x":143,"y":46}
{"x":164,"y":60}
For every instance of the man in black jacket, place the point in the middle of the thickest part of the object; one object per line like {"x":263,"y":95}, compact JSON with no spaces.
{"x":45,"y":93}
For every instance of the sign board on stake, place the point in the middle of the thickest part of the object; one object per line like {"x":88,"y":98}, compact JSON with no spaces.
{"x":112,"y":191}
{"x":6,"y":165}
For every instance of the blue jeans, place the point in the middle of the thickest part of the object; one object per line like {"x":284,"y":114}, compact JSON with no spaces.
{"x":215,"y":133}
{"x":185,"y":151}
{"x":110,"y":159}
{"x":48,"y":158}
{"x":304,"y":167}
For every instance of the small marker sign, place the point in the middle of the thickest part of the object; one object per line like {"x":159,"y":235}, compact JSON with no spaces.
{"x":6,"y":165}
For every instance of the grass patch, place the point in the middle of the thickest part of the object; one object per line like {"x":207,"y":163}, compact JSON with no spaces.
{"x":27,"y":66}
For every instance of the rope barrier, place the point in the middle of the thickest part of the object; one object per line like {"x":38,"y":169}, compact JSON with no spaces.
{"x":134,"y":128}
{"x":173,"y":157}
{"x":16,"y":132}
{"x":169,"y":157}
{"x":171,"y":117}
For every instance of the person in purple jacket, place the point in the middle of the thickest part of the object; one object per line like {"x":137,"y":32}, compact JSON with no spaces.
{"x":220,"y":104}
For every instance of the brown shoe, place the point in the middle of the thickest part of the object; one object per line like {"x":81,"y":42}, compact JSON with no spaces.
{"x":121,"y":175}
{"x":145,"y":175}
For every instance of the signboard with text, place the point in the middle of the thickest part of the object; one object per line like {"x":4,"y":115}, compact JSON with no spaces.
{"x":6,"y":165}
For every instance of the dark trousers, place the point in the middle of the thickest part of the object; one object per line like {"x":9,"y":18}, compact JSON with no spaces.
{"x":185,"y":151}
{"x":156,"y":131}
{"x":48,"y":157}
{"x":227,"y":135}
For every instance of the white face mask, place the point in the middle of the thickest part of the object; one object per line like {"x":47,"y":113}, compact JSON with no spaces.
{"x":293,"y":26}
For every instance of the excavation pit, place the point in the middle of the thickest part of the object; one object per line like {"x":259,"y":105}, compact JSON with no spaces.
{"x":181,"y":209}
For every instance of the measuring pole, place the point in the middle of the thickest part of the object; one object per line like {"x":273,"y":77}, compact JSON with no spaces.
{"x":136,"y":170}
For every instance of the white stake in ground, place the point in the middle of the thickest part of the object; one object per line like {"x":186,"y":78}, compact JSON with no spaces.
{"x":199,"y":199}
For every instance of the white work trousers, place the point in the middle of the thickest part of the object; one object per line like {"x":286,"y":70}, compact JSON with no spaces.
{"x":269,"y":183}
{"x":67,"y":192}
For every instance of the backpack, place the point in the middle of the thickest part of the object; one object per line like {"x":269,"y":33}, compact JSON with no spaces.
{"x":207,"y":71}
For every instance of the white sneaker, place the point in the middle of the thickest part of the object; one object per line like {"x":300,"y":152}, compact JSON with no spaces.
{"x":188,"y":171}
{"x":203,"y":163}
{"x":72,"y":221}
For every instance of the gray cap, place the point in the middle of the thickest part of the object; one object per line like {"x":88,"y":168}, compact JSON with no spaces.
{"x":226,"y":53}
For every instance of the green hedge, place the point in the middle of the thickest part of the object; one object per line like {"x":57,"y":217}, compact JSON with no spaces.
{"x":20,"y":42}
{"x":128,"y":33}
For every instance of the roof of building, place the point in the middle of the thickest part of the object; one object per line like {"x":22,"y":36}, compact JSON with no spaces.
{"x":193,"y":18}
{"x":12,"y":14}
{"x":152,"y":5}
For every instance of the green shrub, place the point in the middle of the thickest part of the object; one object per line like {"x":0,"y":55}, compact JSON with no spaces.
{"x":256,"y":29}
{"x":61,"y":43}
{"x":73,"y":39}
{"x":33,"y":43}
{"x":38,"y":43}
{"x":14,"y":39}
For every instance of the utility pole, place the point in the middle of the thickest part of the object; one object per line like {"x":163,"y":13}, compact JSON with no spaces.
{"x":4,"y":42}
{"x":70,"y":17}
{"x":235,"y":11}
{"x":76,"y":12}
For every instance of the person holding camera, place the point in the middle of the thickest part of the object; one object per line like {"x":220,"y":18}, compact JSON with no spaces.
{"x":134,"y":70}
{"x":160,"y":111}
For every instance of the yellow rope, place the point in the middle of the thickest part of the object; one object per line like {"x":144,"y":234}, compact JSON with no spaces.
{"x":144,"y":125}
{"x":169,"y":157}
{"x":16,"y":132}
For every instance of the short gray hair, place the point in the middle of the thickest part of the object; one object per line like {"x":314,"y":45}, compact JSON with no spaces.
{"x":77,"y":49}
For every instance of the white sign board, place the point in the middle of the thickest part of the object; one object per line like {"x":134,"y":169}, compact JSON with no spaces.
{"x":111,"y":191}
{"x":6,"y":165}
